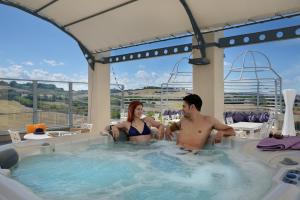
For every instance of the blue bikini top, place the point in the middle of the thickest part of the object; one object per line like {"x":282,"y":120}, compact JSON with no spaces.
{"x":134,"y":132}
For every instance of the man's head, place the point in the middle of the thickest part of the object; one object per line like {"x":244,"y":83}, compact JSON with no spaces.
{"x":191,"y":103}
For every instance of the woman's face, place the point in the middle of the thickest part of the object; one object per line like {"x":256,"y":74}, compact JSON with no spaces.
{"x":138,"y":111}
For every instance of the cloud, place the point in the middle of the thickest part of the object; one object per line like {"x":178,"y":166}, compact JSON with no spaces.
{"x":29,"y":63}
{"x":53,"y":62}
{"x":227,"y":64}
{"x":143,"y":75}
{"x":18,"y":72}
{"x":14,"y":71}
{"x":144,"y":78}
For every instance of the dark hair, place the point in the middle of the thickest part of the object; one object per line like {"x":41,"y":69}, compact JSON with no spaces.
{"x":193,"y":99}
{"x":132,"y":106}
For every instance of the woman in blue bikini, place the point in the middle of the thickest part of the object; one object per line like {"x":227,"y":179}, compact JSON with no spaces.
{"x":137,"y":129}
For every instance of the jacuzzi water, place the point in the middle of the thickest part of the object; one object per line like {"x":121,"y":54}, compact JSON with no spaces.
{"x":149,"y":171}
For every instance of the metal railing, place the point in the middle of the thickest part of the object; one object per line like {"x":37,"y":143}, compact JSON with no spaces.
{"x":59,"y":104}
{"x":252,"y":81}
{"x":62,"y":104}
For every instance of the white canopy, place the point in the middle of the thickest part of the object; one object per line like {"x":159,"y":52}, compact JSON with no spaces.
{"x":104,"y":24}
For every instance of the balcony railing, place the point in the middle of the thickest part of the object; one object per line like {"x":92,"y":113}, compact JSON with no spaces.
{"x":59,"y":104}
{"x":62,"y":104}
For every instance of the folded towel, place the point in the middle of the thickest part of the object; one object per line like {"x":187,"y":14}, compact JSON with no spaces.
{"x":273,"y":144}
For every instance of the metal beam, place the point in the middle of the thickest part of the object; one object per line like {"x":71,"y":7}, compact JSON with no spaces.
{"x":171,"y":50}
{"x":45,"y":6}
{"x":151,"y":53}
{"x":99,"y":13}
{"x":261,"y":37}
{"x":232,"y":41}
{"x":199,"y":37}
{"x":87,"y":54}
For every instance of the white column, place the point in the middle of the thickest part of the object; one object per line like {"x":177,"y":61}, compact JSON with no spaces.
{"x":208,"y":80}
{"x":288,"y":128}
{"x":99,"y":96}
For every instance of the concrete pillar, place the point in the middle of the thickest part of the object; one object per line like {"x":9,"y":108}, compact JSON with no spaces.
{"x":99,"y":96}
{"x":208,"y":80}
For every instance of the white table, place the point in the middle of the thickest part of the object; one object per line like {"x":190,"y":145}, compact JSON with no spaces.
{"x":31,"y":136}
{"x":247,"y":126}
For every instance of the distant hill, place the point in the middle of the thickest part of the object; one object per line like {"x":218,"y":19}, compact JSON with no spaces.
{"x":22,"y":92}
{"x":12,"y":107}
{"x":50,"y":97}
{"x":28,"y":86}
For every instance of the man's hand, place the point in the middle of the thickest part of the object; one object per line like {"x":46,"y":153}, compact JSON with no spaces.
{"x":219,"y":137}
{"x":168,"y":134}
{"x":224,"y":133}
{"x":161,"y":132}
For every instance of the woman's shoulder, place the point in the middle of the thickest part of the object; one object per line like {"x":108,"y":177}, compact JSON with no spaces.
{"x":148,"y":119}
{"x":123,"y":124}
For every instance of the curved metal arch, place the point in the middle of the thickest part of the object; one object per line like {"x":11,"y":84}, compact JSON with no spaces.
{"x":199,"y":37}
{"x":87,"y":54}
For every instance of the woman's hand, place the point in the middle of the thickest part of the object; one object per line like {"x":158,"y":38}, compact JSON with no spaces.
{"x":115,"y":132}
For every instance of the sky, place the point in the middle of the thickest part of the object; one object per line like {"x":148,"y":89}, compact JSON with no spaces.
{"x":31,"y":48}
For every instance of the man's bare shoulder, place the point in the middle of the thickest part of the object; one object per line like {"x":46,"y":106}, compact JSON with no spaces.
{"x":207,"y":118}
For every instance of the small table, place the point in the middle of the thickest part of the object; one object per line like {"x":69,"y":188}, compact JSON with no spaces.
{"x":31,"y":136}
{"x":247,"y":126}
{"x":48,"y":134}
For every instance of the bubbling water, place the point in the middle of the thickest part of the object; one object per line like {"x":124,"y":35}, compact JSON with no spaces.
{"x":149,"y":171}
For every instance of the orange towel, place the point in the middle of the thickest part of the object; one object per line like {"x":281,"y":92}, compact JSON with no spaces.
{"x":30,"y":128}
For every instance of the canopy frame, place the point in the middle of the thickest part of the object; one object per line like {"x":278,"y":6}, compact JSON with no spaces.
{"x":87,"y":54}
{"x":45,"y":6}
{"x":203,"y":60}
{"x":91,"y":55}
{"x":291,"y":32}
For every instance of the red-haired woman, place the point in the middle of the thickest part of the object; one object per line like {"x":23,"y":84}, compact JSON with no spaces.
{"x":137,"y":129}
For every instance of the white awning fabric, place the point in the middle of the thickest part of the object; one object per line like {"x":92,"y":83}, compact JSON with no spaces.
{"x":104,"y":24}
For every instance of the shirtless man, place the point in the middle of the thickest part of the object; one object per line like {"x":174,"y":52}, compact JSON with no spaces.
{"x":195,"y":128}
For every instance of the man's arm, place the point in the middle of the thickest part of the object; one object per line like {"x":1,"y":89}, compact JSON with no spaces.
{"x":170,"y":129}
{"x":223,"y":130}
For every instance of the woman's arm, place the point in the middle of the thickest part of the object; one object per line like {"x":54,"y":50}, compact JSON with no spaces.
{"x":115,"y":128}
{"x":156,"y":124}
